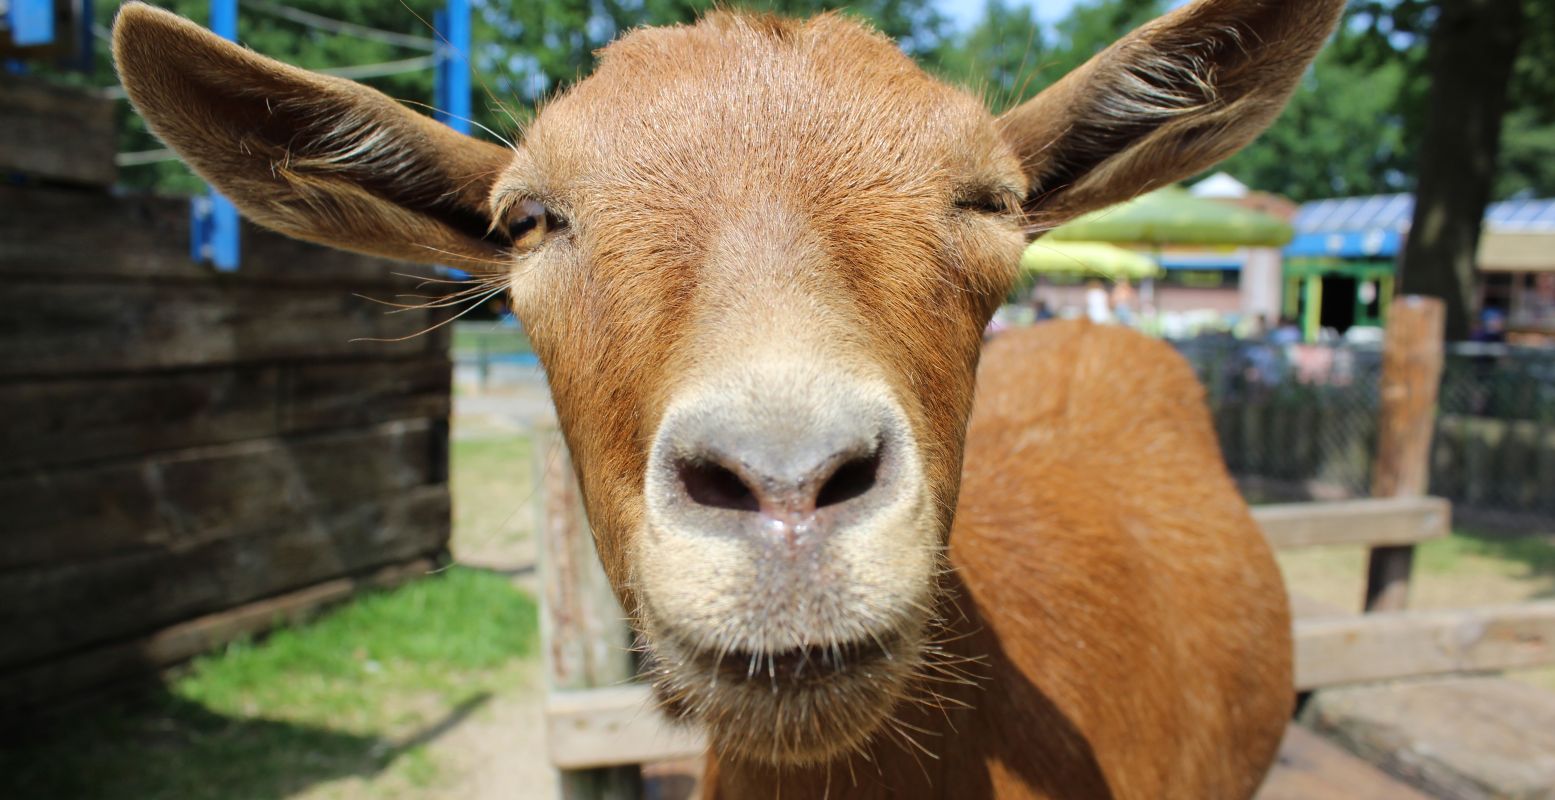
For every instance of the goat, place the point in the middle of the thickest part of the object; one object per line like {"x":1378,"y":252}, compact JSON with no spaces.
{"x":756,"y":257}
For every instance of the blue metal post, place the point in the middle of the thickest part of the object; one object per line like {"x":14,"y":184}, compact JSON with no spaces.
{"x":31,"y":22}
{"x":451,"y":94}
{"x":86,"y":43}
{"x":214,"y":227}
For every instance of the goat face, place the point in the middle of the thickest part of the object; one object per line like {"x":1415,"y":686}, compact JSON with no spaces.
{"x":771,"y":251}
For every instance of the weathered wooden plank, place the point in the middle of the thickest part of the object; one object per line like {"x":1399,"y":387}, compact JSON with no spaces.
{"x":619,"y":725}
{"x":1390,"y":521}
{"x":56,"y":132}
{"x":52,"y":329}
{"x":1461,"y":737}
{"x":1391,"y":645}
{"x":43,"y":235}
{"x":613,"y":726}
{"x":56,"y":610}
{"x":1311,"y":768}
{"x":65,"y":421}
{"x":587,"y":641}
{"x":30,"y":689}
{"x":187,"y":498}
{"x":583,"y":630}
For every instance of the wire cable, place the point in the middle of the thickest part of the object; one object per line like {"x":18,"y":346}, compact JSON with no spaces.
{"x":322,"y":23}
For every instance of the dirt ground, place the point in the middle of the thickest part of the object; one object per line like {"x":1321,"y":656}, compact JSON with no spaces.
{"x":498,"y":751}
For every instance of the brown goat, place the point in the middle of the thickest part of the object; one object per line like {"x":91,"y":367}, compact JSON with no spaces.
{"x":756,"y":257}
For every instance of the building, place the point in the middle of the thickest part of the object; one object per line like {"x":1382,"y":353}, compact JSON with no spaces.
{"x":1341,"y":269}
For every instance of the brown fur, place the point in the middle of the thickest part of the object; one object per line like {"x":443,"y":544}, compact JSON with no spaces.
{"x":753,"y":190}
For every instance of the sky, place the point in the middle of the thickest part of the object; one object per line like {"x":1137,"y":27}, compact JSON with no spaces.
{"x":966,"y":12}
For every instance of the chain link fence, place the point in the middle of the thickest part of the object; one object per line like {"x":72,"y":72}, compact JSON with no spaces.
{"x":1299,"y":421}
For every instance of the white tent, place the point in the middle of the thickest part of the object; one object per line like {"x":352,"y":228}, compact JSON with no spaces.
{"x":1220,"y":186}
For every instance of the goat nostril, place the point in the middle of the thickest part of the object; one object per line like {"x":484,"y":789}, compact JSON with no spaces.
{"x":850,"y":480}
{"x":710,"y":484}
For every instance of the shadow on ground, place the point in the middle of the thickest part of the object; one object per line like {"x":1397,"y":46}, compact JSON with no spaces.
{"x":160,"y":746}
{"x":1534,"y":552}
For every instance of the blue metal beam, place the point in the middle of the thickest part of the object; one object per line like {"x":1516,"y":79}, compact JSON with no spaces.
{"x":451,"y":86}
{"x":214,"y":226}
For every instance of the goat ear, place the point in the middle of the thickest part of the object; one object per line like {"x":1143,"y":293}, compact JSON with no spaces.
{"x":312,"y":156}
{"x":1166,"y":102}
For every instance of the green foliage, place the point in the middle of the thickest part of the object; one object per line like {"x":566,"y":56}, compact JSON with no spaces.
{"x":1352,"y":128}
{"x":1003,"y":58}
{"x":1336,"y":138}
{"x":1091,"y":27}
{"x":523,"y":51}
{"x":1008,"y":58}
{"x":1356,"y":128}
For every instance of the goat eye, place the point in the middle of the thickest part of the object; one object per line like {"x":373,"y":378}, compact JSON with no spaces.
{"x":993,"y":203}
{"x":530,"y":222}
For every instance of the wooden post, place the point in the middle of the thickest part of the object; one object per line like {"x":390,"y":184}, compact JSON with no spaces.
{"x":1412,"y":357}
{"x":582,"y":628}
{"x":483,"y":358}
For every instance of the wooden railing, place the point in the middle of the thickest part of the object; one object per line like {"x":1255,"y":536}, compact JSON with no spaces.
{"x":613,"y":723}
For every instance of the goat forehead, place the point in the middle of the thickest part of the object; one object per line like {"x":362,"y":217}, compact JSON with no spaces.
{"x":777,"y":101}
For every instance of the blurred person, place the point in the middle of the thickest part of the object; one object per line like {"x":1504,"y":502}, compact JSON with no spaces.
{"x":1286,"y":333}
{"x":1491,"y":328}
{"x":1096,"y":302}
{"x":1123,"y":298}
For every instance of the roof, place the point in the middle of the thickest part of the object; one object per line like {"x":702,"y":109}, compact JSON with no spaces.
{"x":1359,"y":227}
{"x":1172,"y":216}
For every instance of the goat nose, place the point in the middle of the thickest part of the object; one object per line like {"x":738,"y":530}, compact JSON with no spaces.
{"x":780,"y":454}
{"x":783,"y":490}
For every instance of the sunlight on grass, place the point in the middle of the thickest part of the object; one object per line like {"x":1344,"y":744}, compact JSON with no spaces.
{"x":1465,"y":569}
{"x":493,"y":515}
{"x":355,"y":693}
{"x":427,"y":636}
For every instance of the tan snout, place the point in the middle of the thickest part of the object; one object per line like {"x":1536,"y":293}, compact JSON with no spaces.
{"x":785,"y":482}
{"x":786,"y":509}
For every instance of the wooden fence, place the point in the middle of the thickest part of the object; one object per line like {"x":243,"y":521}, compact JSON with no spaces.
{"x":190,"y":455}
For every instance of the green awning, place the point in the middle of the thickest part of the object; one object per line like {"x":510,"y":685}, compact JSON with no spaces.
{"x":1045,"y":256}
{"x":1172,"y":216}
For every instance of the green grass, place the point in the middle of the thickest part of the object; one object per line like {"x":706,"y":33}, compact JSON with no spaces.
{"x":1522,"y":556}
{"x":469,"y":338}
{"x":493,"y":512}
{"x":1468,"y":568}
{"x":357,"y":692}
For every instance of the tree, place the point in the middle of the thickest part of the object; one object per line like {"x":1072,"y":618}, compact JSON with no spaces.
{"x":1341,"y":135}
{"x":1002,"y":58}
{"x":1009,"y":59}
{"x":1473,"y":50}
{"x":1092,"y":27}
{"x":524,"y":50}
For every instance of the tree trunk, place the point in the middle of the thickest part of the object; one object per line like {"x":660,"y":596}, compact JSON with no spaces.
{"x":1473,"y":47}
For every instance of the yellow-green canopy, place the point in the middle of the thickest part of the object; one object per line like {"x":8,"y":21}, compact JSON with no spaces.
{"x":1046,"y":256}
{"x":1173,"y":216}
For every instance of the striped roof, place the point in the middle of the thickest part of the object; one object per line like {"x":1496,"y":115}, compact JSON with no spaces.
{"x":1392,"y":213}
